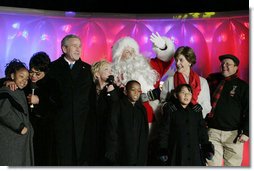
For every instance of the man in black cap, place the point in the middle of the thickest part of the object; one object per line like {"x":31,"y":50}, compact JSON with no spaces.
{"x":228,"y":121}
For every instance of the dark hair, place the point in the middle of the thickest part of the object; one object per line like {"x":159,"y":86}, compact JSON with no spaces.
{"x":179,"y":88}
{"x":129,"y":83}
{"x":40,"y":61}
{"x":187,"y":52}
{"x":12,"y":67}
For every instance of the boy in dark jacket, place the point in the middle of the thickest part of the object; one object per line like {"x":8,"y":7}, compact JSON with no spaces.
{"x":126,"y":143}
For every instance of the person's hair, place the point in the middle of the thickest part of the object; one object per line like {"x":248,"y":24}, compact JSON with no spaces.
{"x":187,"y":52}
{"x":12,"y":67}
{"x":178,"y":89}
{"x":97,"y":66}
{"x":40,"y":61}
{"x":66,"y":38}
{"x":129,"y":84}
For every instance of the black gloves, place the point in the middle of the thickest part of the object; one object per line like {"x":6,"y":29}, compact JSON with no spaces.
{"x":163,"y":157}
{"x":197,"y":108}
{"x":154,"y":94}
{"x":151,"y":95}
{"x":169,"y":107}
{"x":208,"y":150}
{"x":110,"y":159}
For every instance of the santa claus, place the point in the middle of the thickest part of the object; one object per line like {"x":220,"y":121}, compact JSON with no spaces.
{"x":130,"y":64}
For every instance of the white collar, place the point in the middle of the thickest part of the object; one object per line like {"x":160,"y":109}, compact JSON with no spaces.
{"x":69,"y":61}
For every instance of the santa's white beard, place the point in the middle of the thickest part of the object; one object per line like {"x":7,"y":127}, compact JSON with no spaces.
{"x":136,"y":68}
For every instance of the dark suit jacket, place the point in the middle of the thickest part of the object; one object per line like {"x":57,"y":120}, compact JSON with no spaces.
{"x":75,"y":98}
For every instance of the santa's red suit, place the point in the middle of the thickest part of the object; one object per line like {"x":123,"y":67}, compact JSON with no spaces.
{"x":137,"y":67}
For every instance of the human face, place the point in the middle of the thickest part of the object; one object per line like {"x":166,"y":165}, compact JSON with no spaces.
{"x":104,"y":72}
{"x":20,"y":77}
{"x":228,"y":67}
{"x":128,"y":52}
{"x":72,"y":49}
{"x":184,"y":96}
{"x":182,"y":65}
{"x":134,"y":92}
{"x":36,"y":75}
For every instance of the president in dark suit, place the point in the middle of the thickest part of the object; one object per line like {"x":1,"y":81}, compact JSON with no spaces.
{"x":75,"y":99}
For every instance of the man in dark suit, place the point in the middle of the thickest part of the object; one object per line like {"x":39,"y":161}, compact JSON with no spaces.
{"x":75,"y":98}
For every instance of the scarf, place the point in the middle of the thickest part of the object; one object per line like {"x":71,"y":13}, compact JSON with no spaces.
{"x":216,"y":95}
{"x":194,"y":82}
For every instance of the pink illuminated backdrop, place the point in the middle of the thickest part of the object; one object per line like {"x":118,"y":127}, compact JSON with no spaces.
{"x":25,"y":32}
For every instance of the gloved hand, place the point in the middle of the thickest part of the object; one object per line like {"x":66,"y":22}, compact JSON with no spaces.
{"x":163,"y":157}
{"x":197,"y":108}
{"x":158,"y":41}
{"x":110,"y":159}
{"x":169,"y":107}
{"x":208,"y":150}
{"x":154,"y":94}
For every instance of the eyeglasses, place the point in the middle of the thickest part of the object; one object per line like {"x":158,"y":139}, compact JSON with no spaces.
{"x":185,"y":94}
{"x":36,"y":73}
{"x":227,"y":64}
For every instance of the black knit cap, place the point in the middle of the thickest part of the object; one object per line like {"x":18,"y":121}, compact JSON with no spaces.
{"x":229,"y":56}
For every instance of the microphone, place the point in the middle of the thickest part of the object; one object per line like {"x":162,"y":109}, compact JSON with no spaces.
{"x":33,"y":87}
{"x":110,"y":80}
{"x":32,"y":105}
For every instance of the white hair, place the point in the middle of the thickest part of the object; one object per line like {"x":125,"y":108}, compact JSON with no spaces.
{"x":134,"y":67}
{"x":121,"y":44}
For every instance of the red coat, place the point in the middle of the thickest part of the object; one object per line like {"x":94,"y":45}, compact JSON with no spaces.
{"x":161,"y":67}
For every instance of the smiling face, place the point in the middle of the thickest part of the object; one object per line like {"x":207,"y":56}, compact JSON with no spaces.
{"x":182,"y":65}
{"x":72,"y":49}
{"x":228,"y":67}
{"x":133,"y":91}
{"x":20,"y":77}
{"x":36,"y":75}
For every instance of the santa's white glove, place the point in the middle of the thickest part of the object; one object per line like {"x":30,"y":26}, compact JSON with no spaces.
{"x":158,"y":41}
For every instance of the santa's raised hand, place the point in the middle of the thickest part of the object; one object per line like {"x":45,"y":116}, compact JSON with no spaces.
{"x":158,"y":40}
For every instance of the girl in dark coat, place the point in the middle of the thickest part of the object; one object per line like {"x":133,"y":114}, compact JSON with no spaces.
{"x":16,"y":131}
{"x":127,"y":139}
{"x":183,"y":135}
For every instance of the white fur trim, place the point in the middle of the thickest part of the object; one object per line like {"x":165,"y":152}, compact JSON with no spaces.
{"x":165,"y":55}
{"x":154,"y":104}
{"x":119,"y":46}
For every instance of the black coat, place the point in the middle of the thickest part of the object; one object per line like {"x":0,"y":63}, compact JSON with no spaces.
{"x":75,"y":98}
{"x":127,"y":138}
{"x":42,"y":119}
{"x":181,"y":134}
{"x":103,"y":107}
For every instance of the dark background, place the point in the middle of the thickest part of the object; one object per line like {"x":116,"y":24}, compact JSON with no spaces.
{"x":132,"y":6}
